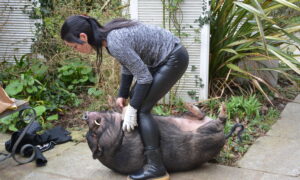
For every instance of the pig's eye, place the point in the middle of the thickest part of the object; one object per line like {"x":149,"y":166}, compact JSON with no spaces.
{"x":98,"y":122}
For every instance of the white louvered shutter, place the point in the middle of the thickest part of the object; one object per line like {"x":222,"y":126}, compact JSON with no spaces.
{"x":151,"y":12}
{"x":16,"y":29}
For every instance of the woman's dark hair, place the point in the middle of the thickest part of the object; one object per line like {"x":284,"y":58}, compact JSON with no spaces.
{"x":74,"y":25}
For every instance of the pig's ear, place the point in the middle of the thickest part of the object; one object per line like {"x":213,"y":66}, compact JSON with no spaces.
{"x":97,"y":152}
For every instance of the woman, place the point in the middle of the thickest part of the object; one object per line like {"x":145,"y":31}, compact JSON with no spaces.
{"x":152,"y":55}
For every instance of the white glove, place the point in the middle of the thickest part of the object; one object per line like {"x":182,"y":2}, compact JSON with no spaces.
{"x":130,"y":118}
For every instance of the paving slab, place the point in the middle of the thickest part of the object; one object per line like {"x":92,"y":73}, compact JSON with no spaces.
{"x":3,"y":139}
{"x":44,"y":176}
{"x":274,"y":155}
{"x":220,"y":172}
{"x":279,"y":151}
{"x":291,"y":111}
{"x":288,"y":126}
{"x":10,"y":170}
{"x":58,"y":150}
{"x":78,"y":163}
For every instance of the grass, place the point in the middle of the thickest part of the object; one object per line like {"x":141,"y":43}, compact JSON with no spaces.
{"x":256,"y":122}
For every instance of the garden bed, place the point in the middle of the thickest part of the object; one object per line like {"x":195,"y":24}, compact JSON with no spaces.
{"x":256,"y":125}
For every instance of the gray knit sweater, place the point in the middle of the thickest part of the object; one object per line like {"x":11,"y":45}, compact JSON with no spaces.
{"x":140,"y":47}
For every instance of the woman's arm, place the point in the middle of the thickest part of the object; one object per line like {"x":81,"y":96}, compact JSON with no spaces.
{"x":126,"y":81}
{"x":132,"y":62}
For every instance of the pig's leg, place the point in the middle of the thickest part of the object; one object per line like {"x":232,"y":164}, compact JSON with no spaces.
{"x":194,"y":110}
{"x":163,"y":80}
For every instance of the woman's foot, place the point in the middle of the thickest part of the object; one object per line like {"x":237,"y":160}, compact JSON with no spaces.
{"x":154,"y":169}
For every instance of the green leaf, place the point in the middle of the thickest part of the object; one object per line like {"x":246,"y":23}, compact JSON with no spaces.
{"x":67,"y":73}
{"x":229,"y":50}
{"x":262,"y":34}
{"x":92,"y":79}
{"x":86,"y":70}
{"x":14,"y":88}
{"x":277,"y":6}
{"x":5,"y":120}
{"x":254,"y":11}
{"x":292,"y":36}
{"x":39,"y":69}
{"x":29,"y":80}
{"x":236,"y":68}
{"x":241,"y":42}
{"x":75,"y":81}
{"x":288,"y":4}
{"x":71,"y":87}
{"x":84,"y":79}
{"x":53,"y":117}
{"x":31,"y":90}
{"x":93,"y":91}
{"x":64,"y":68}
{"x":255,"y":82}
{"x":40,"y":110}
{"x":12,"y":127}
{"x":286,"y":61}
{"x":159,"y":110}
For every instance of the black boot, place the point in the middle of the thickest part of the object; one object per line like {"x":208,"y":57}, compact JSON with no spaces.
{"x":154,"y":169}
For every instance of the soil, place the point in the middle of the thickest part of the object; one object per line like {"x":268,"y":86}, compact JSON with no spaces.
{"x":71,"y":118}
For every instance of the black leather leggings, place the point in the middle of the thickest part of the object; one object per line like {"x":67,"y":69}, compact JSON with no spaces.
{"x":164,"y":77}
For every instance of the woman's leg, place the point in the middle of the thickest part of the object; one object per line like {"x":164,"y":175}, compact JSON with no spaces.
{"x":163,"y":80}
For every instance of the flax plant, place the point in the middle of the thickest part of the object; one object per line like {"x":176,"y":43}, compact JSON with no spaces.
{"x":250,"y":29}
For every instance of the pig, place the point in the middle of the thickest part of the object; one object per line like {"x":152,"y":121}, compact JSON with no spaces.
{"x":186,"y":141}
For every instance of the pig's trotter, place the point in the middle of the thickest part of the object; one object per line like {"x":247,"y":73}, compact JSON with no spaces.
{"x":153,"y":169}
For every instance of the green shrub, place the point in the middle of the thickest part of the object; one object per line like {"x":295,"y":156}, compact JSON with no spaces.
{"x":241,"y":107}
{"x":75,"y":74}
{"x":48,"y":91}
{"x":251,"y":30}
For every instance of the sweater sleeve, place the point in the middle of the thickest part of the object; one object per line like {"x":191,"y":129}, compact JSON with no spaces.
{"x":125,"y":71}
{"x":126,"y":81}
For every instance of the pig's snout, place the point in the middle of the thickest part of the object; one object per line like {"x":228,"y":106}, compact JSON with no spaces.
{"x":85,"y":116}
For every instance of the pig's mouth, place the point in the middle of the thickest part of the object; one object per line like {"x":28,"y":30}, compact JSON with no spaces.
{"x":85,"y":117}
{"x":97,"y":123}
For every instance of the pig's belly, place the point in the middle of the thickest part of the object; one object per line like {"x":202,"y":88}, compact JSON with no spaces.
{"x":185,"y":124}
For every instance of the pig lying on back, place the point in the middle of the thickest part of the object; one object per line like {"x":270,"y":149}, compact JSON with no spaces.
{"x":186,"y":142}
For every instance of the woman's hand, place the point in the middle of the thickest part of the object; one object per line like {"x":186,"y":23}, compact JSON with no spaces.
{"x":121,"y":102}
{"x":130,"y":119}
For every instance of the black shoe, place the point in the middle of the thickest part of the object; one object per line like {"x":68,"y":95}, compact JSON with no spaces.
{"x":154,"y":169}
